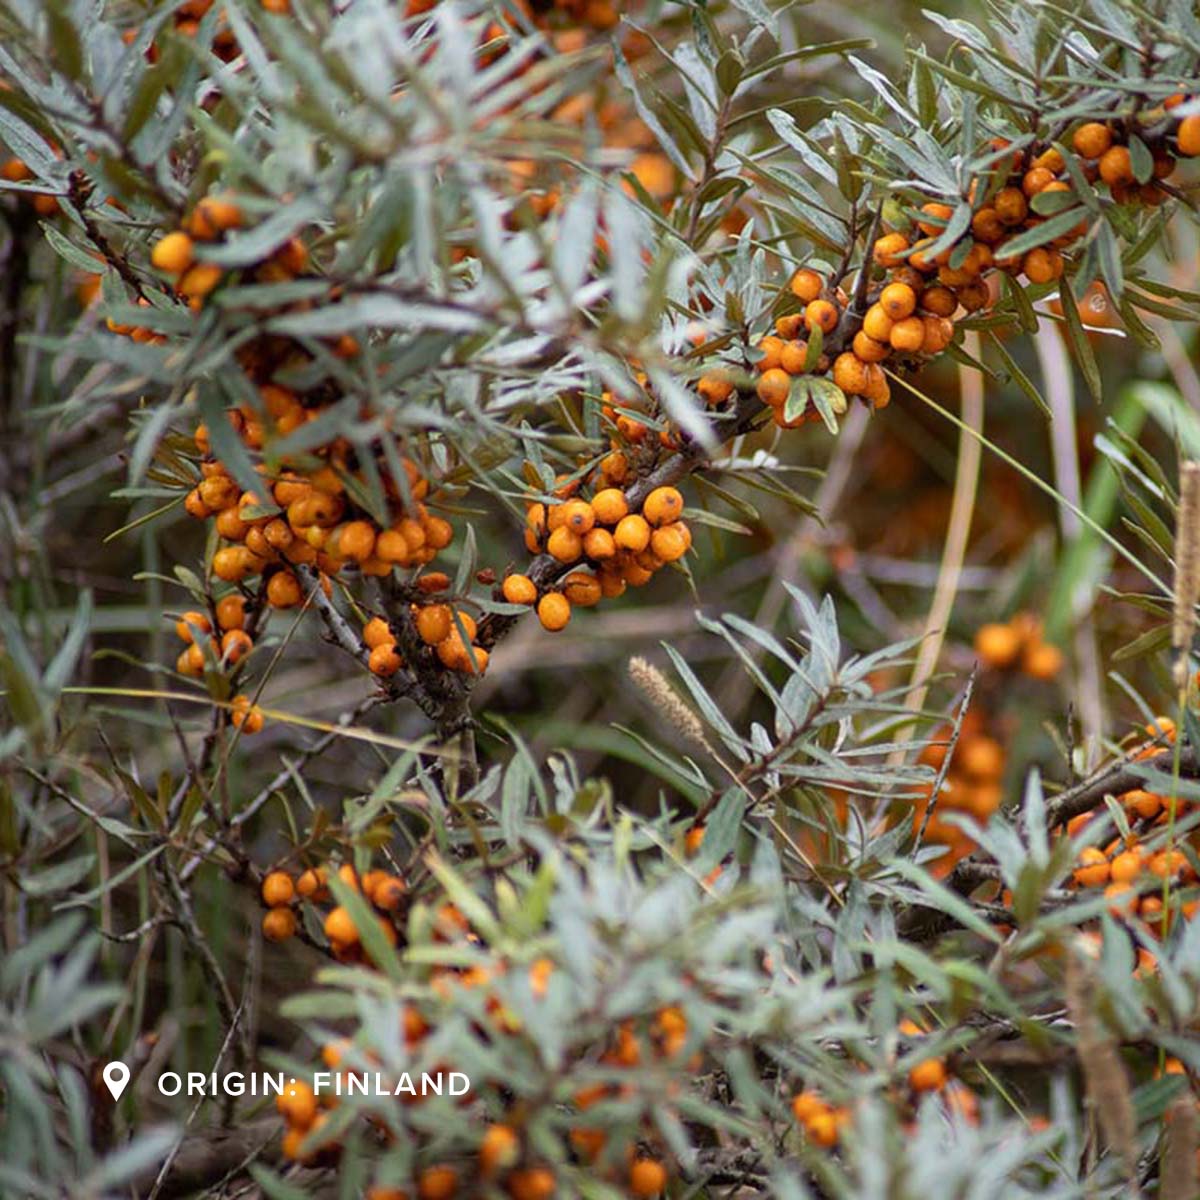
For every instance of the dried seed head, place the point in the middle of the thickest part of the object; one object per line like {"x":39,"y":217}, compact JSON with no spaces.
{"x":662,"y":695}
{"x":1187,"y":567}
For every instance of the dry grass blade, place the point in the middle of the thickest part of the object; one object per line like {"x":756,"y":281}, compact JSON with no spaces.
{"x":1187,"y":567}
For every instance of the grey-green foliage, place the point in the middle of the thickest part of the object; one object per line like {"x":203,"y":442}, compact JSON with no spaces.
{"x":49,"y":993}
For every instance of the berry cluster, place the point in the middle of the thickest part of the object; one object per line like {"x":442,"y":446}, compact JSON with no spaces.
{"x":1018,"y":645}
{"x":906,"y":315}
{"x":621,"y":547}
{"x":449,"y":632}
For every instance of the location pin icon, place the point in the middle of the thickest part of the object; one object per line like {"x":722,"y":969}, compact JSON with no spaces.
{"x":116,"y":1076}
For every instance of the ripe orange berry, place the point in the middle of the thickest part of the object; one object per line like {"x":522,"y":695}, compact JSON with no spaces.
{"x":1011,"y":206}
{"x":198,"y":280}
{"x":889,"y":249}
{"x":499,"y":1149}
{"x":532,"y":1183}
{"x":671,"y":542}
{"x":609,"y":506}
{"x":877,"y":325}
{"x":806,"y":285}
{"x":1036,"y":180}
{"x":898,"y":301}
{"x":714,"y":390}
{"x":554,"y":610}
{"x":908,"y":335}
{"x":928,"y":1076}
{"x":437,"y":1183}
{"x":235,"y":645}
{"x":632,"y":533}
{"x":279,"y":924}
{"x":519,"y":589}
{"x":1116,"y":166}
{"x":192,"y":621}
{"x":172,"y":253}
{"x":773,"y":387}
{"x":1042,"y":265}
{"x":434,"y":623}
{"x":565,"y":545}
{"x":297,"y":1104}
{"x":980,"y":757}
{"x":277,"y":889}
{"x":663,"y":505}
{"x":577,"y":516}
{"x":389,"y":893}
{"x":246,"y":716}
{"x":340,"y":928}
{"x":283,"y":590}
{"x":1188,"y":136}
{"x":998,"y":645}
{"x":937,"y":215}
{"x":1146,"y":804}
{"x":1092,"y":139}
{"x":581,"y":589}
{"x":599,"y":544}
{"x":384,"y":661}
{"x":647,"y":1178}
{"x":377,"y":632}
{"x":1127,"y":866}
{"x":938,"y":300}
{"x":850,"y":374}
{"x":1042,"y":661}
{"x":1093,"y":870}
{"x":311,"y":884}
{"x":356,"y":540}
{"x":794,"y":358}
{"x":822,"y":315}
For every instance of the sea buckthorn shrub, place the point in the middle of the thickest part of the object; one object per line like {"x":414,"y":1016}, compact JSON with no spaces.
{"x":433,"y":649}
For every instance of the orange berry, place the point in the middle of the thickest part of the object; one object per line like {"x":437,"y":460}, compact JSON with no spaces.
{"x":565,"y":545}
{"x":609,"y":506}
{"x":577,"y":516}
{"x":663,"y":505}
{"x":1042,"y":661}
{"x":898,"y":301}
{"x":928,"y":1076}
{"x":1188,"y":136}
{"x":806,"y":285}
{"x":311,"y":884}
{"x":771,"y":349}
{"x":437,"y":1183}
{"x":277,"y":889}
{"x":235,"y":645}
{"x":499,"y":1149}
{"x":581,"y":589}
{"x":554,"y":610}
{"x":821,"y":314}
{"x":877,"y":325}
{"x":1092,"y":139}
{"x":1116,"y":166}
{"x":519,"y":589}
{"x":384,"y":661}
{"x":1011,"y":206}
{"x":340,"y":928}
{"x":1042,"y":265}
{"x":774,"y":387}
{"x":434,"y":622}
{"x":599,"y":544}
{"x":283,"y":590}
{"x":632,"y":533}
{"x":647,"y":1178}
{"x":356,"y":540}
{"x":389,"y":893}
{"x":1126,"y":867}
{"x":889,"y":249}
{"x":172,"y":253}
{"x":198,"y":280}
{"x":908,"y":335}
{"x":998,"y":645}
{"x":849,"y":373}
{"x":297,"y":1104}
{"x":279,"y":924}
{"x":532,"y":1183}
{"x":192,"y":621}
{"x":377,"y":632}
